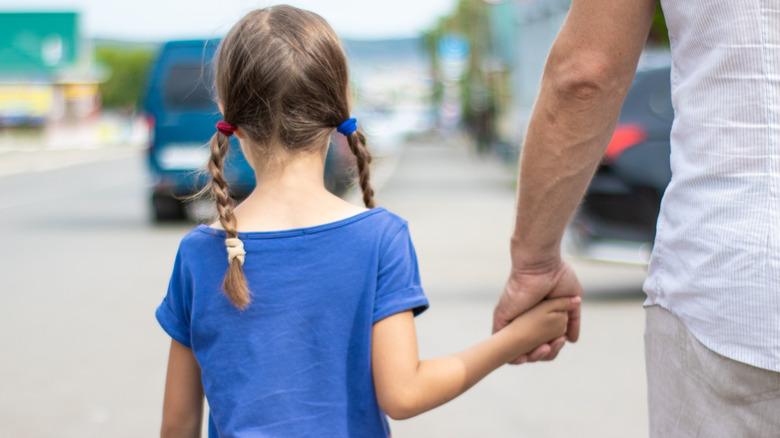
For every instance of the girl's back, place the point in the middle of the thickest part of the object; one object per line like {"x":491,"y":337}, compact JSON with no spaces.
{"x":298,"y":359}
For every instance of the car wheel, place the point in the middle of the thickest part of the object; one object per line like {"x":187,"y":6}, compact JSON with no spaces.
{"x":166,"y":208}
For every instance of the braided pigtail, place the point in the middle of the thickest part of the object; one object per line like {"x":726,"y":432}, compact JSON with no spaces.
{"x":357,"y":144}
{"x":234,"y":285}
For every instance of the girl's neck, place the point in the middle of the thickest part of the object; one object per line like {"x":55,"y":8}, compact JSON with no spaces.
{"x":290,"y":173}
{"x":290,"y":193}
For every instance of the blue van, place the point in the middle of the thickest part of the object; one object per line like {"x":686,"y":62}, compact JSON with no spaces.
{"x":182,"y":114}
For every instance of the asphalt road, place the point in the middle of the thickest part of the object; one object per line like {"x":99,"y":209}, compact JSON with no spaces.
{"x":82,"y":270}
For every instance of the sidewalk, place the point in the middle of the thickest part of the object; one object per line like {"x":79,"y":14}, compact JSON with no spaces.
{"x":106,"y":137}
{"x":460,"y":209}
{"x":41,"y":160}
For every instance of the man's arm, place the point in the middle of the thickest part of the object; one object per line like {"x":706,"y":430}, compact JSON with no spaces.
{"x":587,"y":76}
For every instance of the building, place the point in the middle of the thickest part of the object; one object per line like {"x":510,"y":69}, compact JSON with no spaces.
{"x":47,"y":70}
{"x":523,"y":33}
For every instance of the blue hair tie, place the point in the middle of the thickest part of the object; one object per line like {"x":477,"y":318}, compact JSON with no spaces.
{"x":348,"y":127}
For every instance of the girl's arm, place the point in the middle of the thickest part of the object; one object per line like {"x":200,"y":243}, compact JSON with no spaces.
{"x":406,"y":386}
{"x":183,"y":405}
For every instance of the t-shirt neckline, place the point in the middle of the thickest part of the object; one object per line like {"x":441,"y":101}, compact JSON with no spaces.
{"x":294,"y":231}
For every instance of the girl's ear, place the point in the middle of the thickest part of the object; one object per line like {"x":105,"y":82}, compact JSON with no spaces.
{"x":221,"y":109}
{"x":239,"y":133}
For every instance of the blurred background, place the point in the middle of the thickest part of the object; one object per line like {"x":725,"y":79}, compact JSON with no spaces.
{"x":105,"y":108}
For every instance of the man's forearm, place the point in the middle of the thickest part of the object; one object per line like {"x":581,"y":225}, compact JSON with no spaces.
{"x":566,"y":138}
{"x":586,"y":79}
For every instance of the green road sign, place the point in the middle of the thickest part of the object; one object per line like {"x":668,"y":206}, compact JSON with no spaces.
{"x":37,"y":42}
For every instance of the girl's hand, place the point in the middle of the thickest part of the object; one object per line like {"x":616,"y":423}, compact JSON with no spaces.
{"x":543,"y":323}
{"x":525,"y":288}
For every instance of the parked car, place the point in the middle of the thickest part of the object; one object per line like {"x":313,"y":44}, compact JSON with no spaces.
{"x":616,"y":220}
{"x":182,"y":113}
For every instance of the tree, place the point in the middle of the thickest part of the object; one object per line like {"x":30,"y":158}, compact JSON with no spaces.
{"x":659,"y":34}
{"x":128,"y":68}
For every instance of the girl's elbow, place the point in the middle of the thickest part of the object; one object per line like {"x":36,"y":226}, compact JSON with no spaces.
{"x":400,"y":412}
{"x":400,"y":406}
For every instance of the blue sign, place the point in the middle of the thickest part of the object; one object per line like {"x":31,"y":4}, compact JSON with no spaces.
{"x":453,"y":48}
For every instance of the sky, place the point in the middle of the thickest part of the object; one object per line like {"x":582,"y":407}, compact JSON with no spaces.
{"x":158,"y":20}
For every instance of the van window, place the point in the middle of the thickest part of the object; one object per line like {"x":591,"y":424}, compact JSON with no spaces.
{"x":188,"y":88}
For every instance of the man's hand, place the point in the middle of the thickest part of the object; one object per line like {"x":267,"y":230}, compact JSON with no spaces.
{"x":524,"y":289}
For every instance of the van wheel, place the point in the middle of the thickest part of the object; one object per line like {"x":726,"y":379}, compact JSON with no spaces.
{"x":167,"y":208}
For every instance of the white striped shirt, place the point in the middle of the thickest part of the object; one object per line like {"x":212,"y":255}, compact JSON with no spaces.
{"x":716,"y":260}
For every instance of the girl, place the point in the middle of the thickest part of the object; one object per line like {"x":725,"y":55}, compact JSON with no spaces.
{"x":293,"y":313}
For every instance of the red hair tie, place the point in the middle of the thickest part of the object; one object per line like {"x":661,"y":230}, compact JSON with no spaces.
{"x":226,"y":128}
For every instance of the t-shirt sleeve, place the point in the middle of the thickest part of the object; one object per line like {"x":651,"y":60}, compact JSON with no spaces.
{"x":398,"y":283}
{"x":173,"y":313}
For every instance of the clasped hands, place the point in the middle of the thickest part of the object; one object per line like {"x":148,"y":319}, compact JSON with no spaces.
{"x":526,"y":288}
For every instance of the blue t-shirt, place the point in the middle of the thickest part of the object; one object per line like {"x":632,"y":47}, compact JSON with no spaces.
{"x":297,"y":361}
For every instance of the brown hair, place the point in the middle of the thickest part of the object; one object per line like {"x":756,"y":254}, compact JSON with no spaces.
{"x":281,"y":76}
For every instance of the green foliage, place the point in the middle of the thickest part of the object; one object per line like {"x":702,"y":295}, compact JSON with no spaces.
{"x":469,"y":20}
{"x":659,"y":34}
{"x":128,"y":69}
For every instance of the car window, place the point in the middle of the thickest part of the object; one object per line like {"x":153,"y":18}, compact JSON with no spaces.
{"x":188,"y":88}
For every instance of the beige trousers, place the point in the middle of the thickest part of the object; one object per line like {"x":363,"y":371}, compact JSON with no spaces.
{"x":695,"y":392}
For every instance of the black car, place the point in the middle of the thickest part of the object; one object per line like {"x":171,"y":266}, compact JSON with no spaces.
{"x":616,"y":221}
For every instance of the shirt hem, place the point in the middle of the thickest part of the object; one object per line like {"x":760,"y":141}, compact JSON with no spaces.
{"x":172,"y":326}
{"x":719,"y":349}
{"x":417,"y":304}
